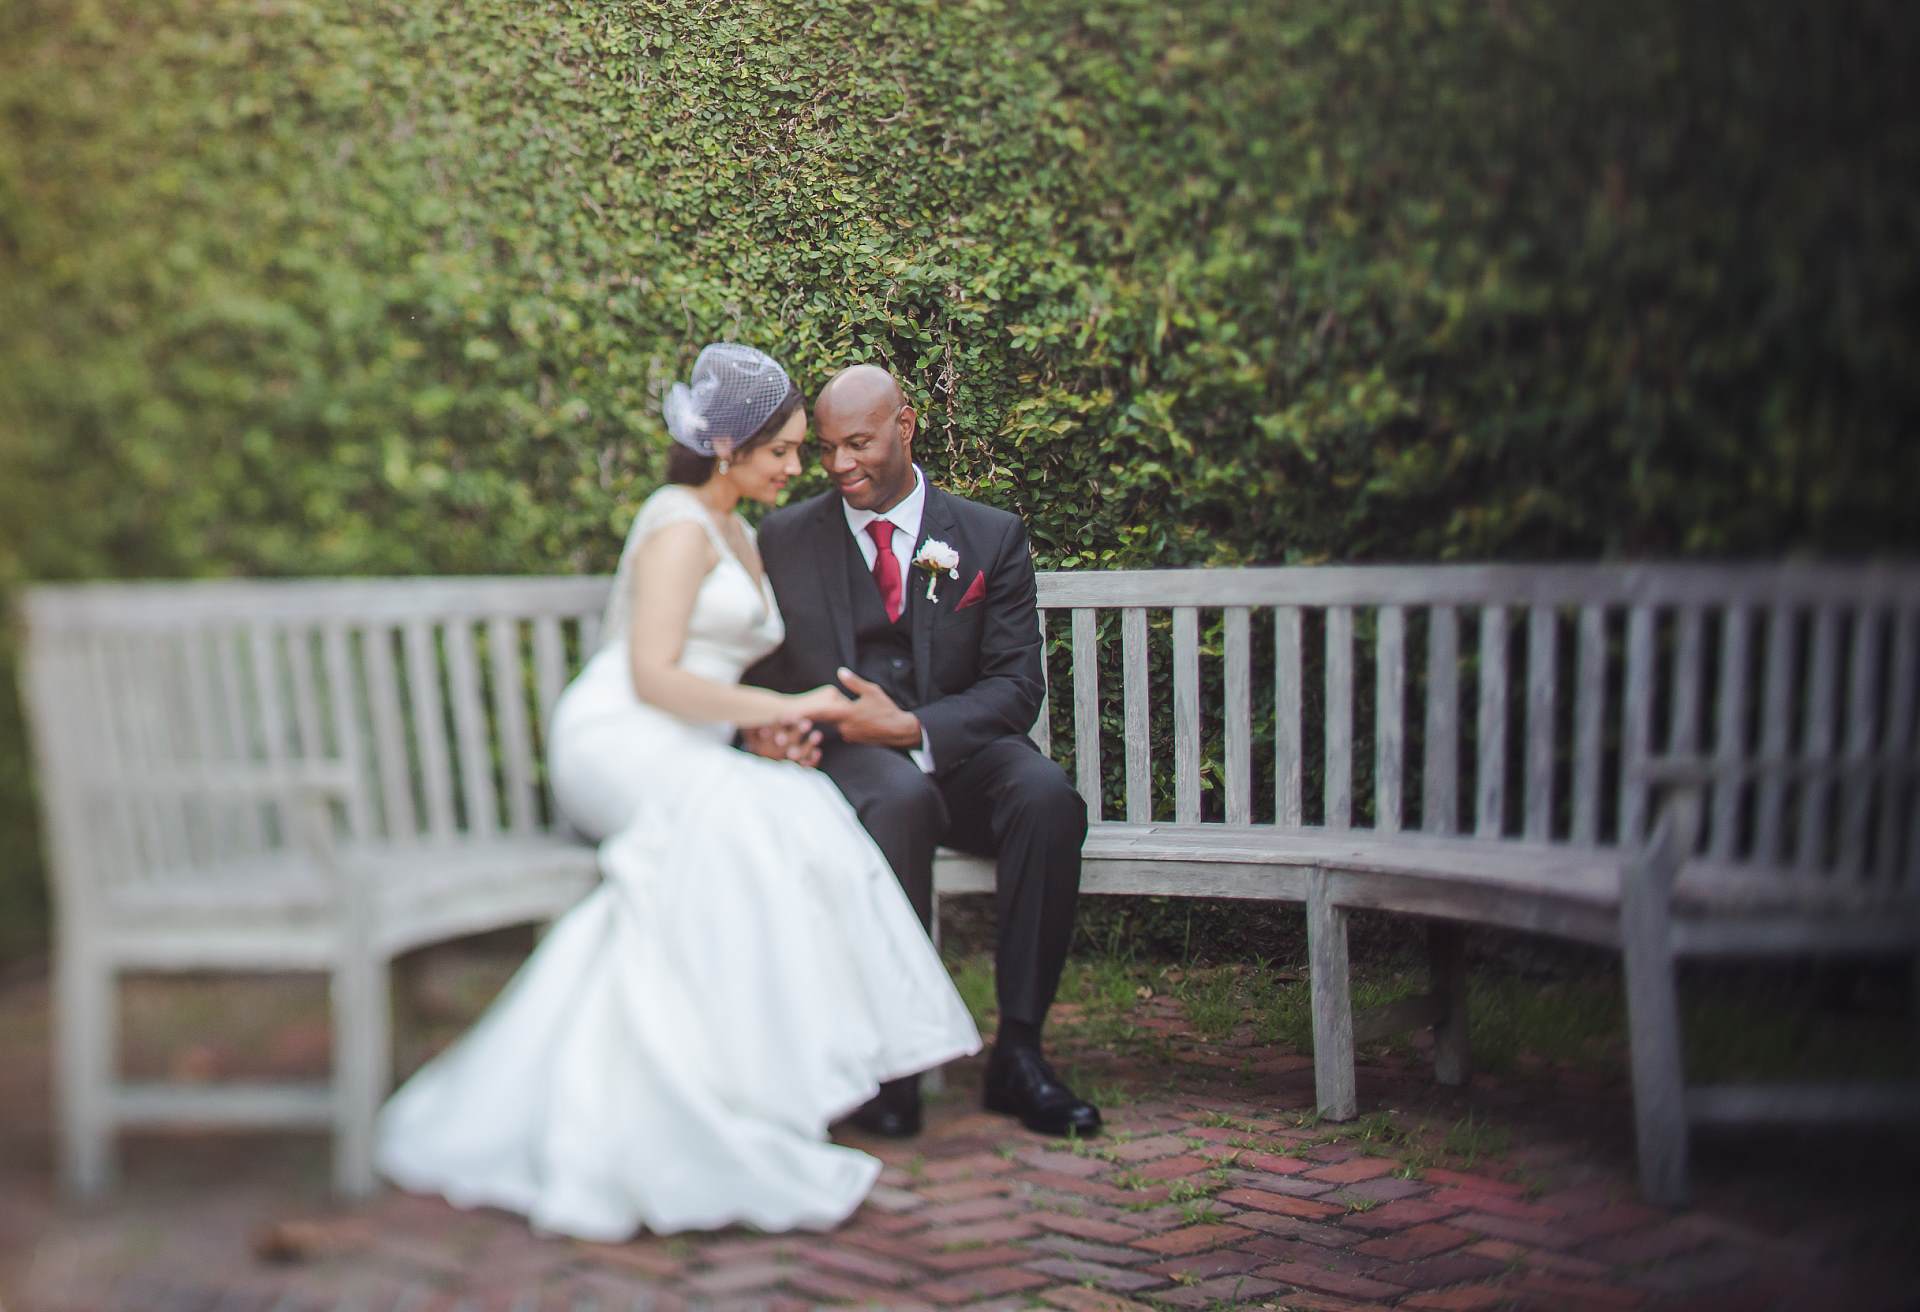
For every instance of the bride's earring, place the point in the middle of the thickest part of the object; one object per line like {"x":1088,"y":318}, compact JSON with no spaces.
{"x":723,"y":466}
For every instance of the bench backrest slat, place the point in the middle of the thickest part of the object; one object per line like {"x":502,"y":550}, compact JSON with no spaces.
{"x":1389,"y":695}
{"x":1636,"y":710}
{"x":59,"y":713}
{"x":1817,"y":736}
{"x":239,"y":739}
{"x":1683,"y":718}
{"x":1339,"y":717}
{"x":233,"y":825}
{"x":550,"y":679}
{"x":1543,"y":689}
{"x":1186,"y":715}
{"x":506,"y":666}
{"x":132,"y":721}
{"x":1730,"y":727}
{"x":1589,"y":724}
{"x":1776,"y":724}
{"x":426,"y":723}
{"x":1086,"y":711}
{"x":1440,"y":807}
{"x":170,"y":738}
{"x":1042,"y":731}
{"x":1490,"y":744}
{"x":343,"y":712}
{"x":479,"y":799}
{"x":1238,"y":716}
{"x":1289,"y":747}
{"x":268,"y":706}
{"x":1863,"y":728}
{"x":177,"y":831}
{"x":301,"y":644}
{"x":1136,"y":714}
{"x":388,"y":739}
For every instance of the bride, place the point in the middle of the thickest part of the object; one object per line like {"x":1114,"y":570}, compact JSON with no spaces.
{"x":748,"y":970}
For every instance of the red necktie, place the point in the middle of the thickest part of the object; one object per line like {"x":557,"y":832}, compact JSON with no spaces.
{"x":886,"y":569}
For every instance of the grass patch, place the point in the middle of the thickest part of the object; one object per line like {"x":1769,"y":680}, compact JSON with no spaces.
{"x":1187,"y":1191}
{"x":1225,"y":1121}
{"x":1198,"y":1211}
{"x":1578,"y":1022}
{"x":1104,"y":983}
{"x":1375,"y":1134}
{"x":1791,"y":1035}
{"x":1212,"y":1002}
{"x":1758,"y":1025}
{"x":973,"y":978}
{"x":1471,"y":1140}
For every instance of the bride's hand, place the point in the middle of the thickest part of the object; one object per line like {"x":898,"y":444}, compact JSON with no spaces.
{"x":823,"y":705}
{"x":787,"y":740}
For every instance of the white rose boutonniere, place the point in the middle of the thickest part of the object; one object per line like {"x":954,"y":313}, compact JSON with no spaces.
{"x":937,"y":558}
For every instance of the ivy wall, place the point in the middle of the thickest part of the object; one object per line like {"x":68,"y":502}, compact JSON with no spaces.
{"x":320,"y":286}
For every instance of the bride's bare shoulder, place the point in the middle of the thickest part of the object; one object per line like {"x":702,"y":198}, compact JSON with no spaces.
{"x":678,"y":539}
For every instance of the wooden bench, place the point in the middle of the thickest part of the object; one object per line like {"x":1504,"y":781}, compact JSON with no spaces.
{"x":322,"y":775}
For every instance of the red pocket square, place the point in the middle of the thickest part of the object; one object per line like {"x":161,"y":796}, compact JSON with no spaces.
{"x":975,"y":594}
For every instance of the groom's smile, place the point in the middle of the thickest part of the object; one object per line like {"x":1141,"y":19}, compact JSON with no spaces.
{"x":853,"y":487}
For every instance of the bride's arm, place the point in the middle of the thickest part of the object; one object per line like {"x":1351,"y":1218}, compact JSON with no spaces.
{"x":667,"y":572}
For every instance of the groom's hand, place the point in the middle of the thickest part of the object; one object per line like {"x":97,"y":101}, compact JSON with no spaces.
{"x":876,"y":717}
{"x":798,"y":742}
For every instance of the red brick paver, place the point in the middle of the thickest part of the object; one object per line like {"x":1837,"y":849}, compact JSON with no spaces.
{"x":1205,"y":1193}
{"x":1416,"y":1242}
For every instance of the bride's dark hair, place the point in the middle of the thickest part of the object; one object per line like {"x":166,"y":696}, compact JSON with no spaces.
{"x":685,"y":465}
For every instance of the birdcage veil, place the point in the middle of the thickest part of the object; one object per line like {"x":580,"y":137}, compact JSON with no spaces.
{"x":734,"y":390}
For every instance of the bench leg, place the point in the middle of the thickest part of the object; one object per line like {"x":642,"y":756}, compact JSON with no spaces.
{"x":1332,"y":1003}
{"x":1653,"y":1031}
{"x":86,"y":1020}
{"x":1447,"y":964}
{"x":362,"y":1069}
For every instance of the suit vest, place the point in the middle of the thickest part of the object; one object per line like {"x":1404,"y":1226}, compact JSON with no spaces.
{"x":882,"y":648}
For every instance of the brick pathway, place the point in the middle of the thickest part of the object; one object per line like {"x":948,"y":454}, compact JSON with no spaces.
{"x":1213,"y":1189}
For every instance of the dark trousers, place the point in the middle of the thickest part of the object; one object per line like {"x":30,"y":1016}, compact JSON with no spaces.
{"x":1008,"y":802}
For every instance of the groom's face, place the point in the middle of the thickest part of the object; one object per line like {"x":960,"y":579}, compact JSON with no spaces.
{"x":868,"y":452}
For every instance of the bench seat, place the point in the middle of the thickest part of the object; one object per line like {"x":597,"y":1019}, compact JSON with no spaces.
{"x":286,"y":912}
{"x":1569,"y":892}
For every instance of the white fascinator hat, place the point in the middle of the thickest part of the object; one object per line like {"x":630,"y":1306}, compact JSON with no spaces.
{"x":734,"y":390}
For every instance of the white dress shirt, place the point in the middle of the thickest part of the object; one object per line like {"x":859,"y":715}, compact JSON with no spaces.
{"x":905,"y":518}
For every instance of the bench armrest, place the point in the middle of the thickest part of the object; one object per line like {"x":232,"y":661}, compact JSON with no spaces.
{"x":262,"y":781}
{"x":305,"y":792}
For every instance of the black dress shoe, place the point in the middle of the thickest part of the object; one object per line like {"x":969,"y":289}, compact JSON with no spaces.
{"x":1020,"y":1083}
{"x":893,"y":1113}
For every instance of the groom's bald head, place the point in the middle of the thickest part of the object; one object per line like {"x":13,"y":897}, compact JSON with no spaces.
{"x":865,"y":427}
{"x":860,"y":387}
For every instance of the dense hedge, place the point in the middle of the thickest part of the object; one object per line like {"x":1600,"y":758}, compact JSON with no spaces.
{"x":299,"y":286}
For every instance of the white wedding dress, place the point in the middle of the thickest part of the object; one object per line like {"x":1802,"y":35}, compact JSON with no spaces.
{"x":747,"y":971}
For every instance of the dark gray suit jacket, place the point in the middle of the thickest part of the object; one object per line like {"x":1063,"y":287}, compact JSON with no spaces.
{"x":977,"y":670}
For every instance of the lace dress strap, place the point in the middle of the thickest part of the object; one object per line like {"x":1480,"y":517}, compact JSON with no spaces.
{"x":672,"y":504}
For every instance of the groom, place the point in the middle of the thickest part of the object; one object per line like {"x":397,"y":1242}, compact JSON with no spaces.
{"x":945,"y":669}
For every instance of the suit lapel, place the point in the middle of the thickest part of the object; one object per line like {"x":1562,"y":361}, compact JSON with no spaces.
{"x":829,"y":550}
{"x":936,"y":521}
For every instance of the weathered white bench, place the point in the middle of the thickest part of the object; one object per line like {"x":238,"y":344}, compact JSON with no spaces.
{"x":322,"y":775}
